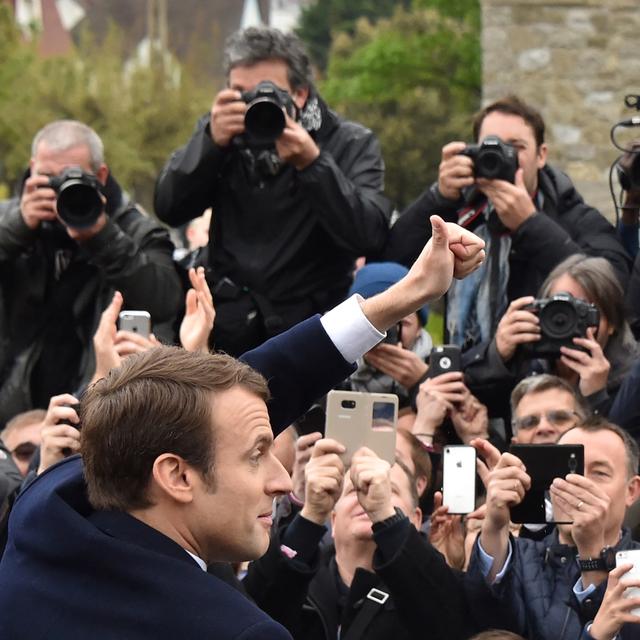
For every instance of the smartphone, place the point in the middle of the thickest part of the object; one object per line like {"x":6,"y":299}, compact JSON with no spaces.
{"x":136,"y":322}
{"x":633,"y":556}
{"x":394,"y":334}
{"x":459,"y":478}
{"x":359,"y":419}
{"x":543,"y":463}
{"x":444,"y":359}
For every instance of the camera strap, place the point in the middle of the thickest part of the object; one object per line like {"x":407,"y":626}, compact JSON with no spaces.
{"x":373,"y":602}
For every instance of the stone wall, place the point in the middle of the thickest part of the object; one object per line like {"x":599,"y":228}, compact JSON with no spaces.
{"x":575,"y":61}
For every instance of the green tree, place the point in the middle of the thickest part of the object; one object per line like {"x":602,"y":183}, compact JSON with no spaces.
{"x":320,"y":20}
{"x":414,"y":79}
{"x":142,"y":112}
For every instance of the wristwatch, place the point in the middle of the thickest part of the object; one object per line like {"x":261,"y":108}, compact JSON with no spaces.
{"x":604,"y":562}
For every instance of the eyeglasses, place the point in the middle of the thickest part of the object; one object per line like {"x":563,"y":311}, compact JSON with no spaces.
{"x":558,"y":418}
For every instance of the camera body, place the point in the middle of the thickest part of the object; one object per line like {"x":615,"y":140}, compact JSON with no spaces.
{"x":264,"y":119}
{"x":79,"y":201}
{"x":562,"y":318}
{"x":493,"y":159}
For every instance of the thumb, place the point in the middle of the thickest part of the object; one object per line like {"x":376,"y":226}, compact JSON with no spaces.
{"x":439,"y":233}
{"x":191,"y":302}
{"x":110,"y":314}
{"x":520,"y":178}
{"x":437,"y":500}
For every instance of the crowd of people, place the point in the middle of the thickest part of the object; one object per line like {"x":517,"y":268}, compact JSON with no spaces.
{"x":177,"y":482}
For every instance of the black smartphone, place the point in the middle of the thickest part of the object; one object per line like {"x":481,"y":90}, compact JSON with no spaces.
{"x":394,"y":334}
{"x":444,"y":359}
{"x":544,"y":463}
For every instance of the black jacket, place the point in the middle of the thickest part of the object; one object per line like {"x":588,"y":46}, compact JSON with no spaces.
{"x":52,"y":292}
{"x":287,"y":243}
{"x":423,"y":597}
{"x":565,"y":226}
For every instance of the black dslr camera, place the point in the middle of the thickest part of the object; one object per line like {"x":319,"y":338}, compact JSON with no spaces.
{"x":493,"y":159}
{"x":79,"y":200}
{"x":562,"y":318}
{"x":264,"y":120}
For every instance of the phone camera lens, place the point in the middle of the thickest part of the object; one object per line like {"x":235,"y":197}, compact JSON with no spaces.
{"x":348,"y":404}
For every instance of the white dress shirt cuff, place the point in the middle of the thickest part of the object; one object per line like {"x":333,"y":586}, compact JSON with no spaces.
{"x":486,"y":562}
{"x":350,"y":330}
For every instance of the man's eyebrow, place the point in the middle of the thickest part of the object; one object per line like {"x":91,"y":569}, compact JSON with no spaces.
{"x":264,"y":439}
{"x":601,"y":463}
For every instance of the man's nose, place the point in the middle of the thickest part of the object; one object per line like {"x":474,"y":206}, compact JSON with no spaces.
{"x":279,"y":482}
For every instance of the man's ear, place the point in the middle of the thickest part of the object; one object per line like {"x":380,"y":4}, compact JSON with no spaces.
{"x":300,"y":96}
{"x":416,"y":518}
{"x":633,"y":491}
{"x":174,"y":478}
{"x":102,"y":174}
{"x":541,"y":158}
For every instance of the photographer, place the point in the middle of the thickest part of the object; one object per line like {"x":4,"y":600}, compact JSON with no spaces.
{"x":63,"y":252}
{"x":296,"y":199}
{"x":529,"y":214}
{"x":605,"y":353}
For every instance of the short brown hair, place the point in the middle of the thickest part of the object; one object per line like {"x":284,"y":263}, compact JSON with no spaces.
{"x":157,"y":402}
{"x":512,"y":105}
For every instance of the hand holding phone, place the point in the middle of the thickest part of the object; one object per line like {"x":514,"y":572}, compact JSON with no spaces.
{"x":444,"y":359}
{"x":544,"y":463}
{"x":136,"y":322}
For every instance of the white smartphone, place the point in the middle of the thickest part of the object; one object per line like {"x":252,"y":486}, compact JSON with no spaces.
{"x":633,"y":556}
{"x":136,"y":322}
{"x":358,"y":419}
{"x":459,"y":478}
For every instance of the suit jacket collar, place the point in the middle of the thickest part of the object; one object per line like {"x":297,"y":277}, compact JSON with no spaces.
{"x":125,"y":527}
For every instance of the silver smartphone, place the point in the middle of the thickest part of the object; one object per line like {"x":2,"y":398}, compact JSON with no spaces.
{"x":358,"y":419}
{"x":633,"y":556}
{"x":135,"y":321}
{"x":459,"y":478}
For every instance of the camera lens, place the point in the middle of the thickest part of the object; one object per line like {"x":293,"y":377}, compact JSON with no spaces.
{"x":490,"y":164}
{"x":348,"y":404}
{"x":558,"y":320}
{"x":264,"y":119}
{"x":79,"y":204}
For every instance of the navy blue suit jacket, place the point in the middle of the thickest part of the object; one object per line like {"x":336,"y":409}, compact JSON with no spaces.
{"x":72,"y":572}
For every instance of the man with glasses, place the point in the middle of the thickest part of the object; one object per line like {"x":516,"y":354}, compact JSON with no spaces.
{"x":552,"y":588}
{"x":22,"y":435}
{"x":543,"y":408}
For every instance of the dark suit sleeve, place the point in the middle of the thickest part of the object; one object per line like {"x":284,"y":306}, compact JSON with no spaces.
{"x":300,"y":365}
